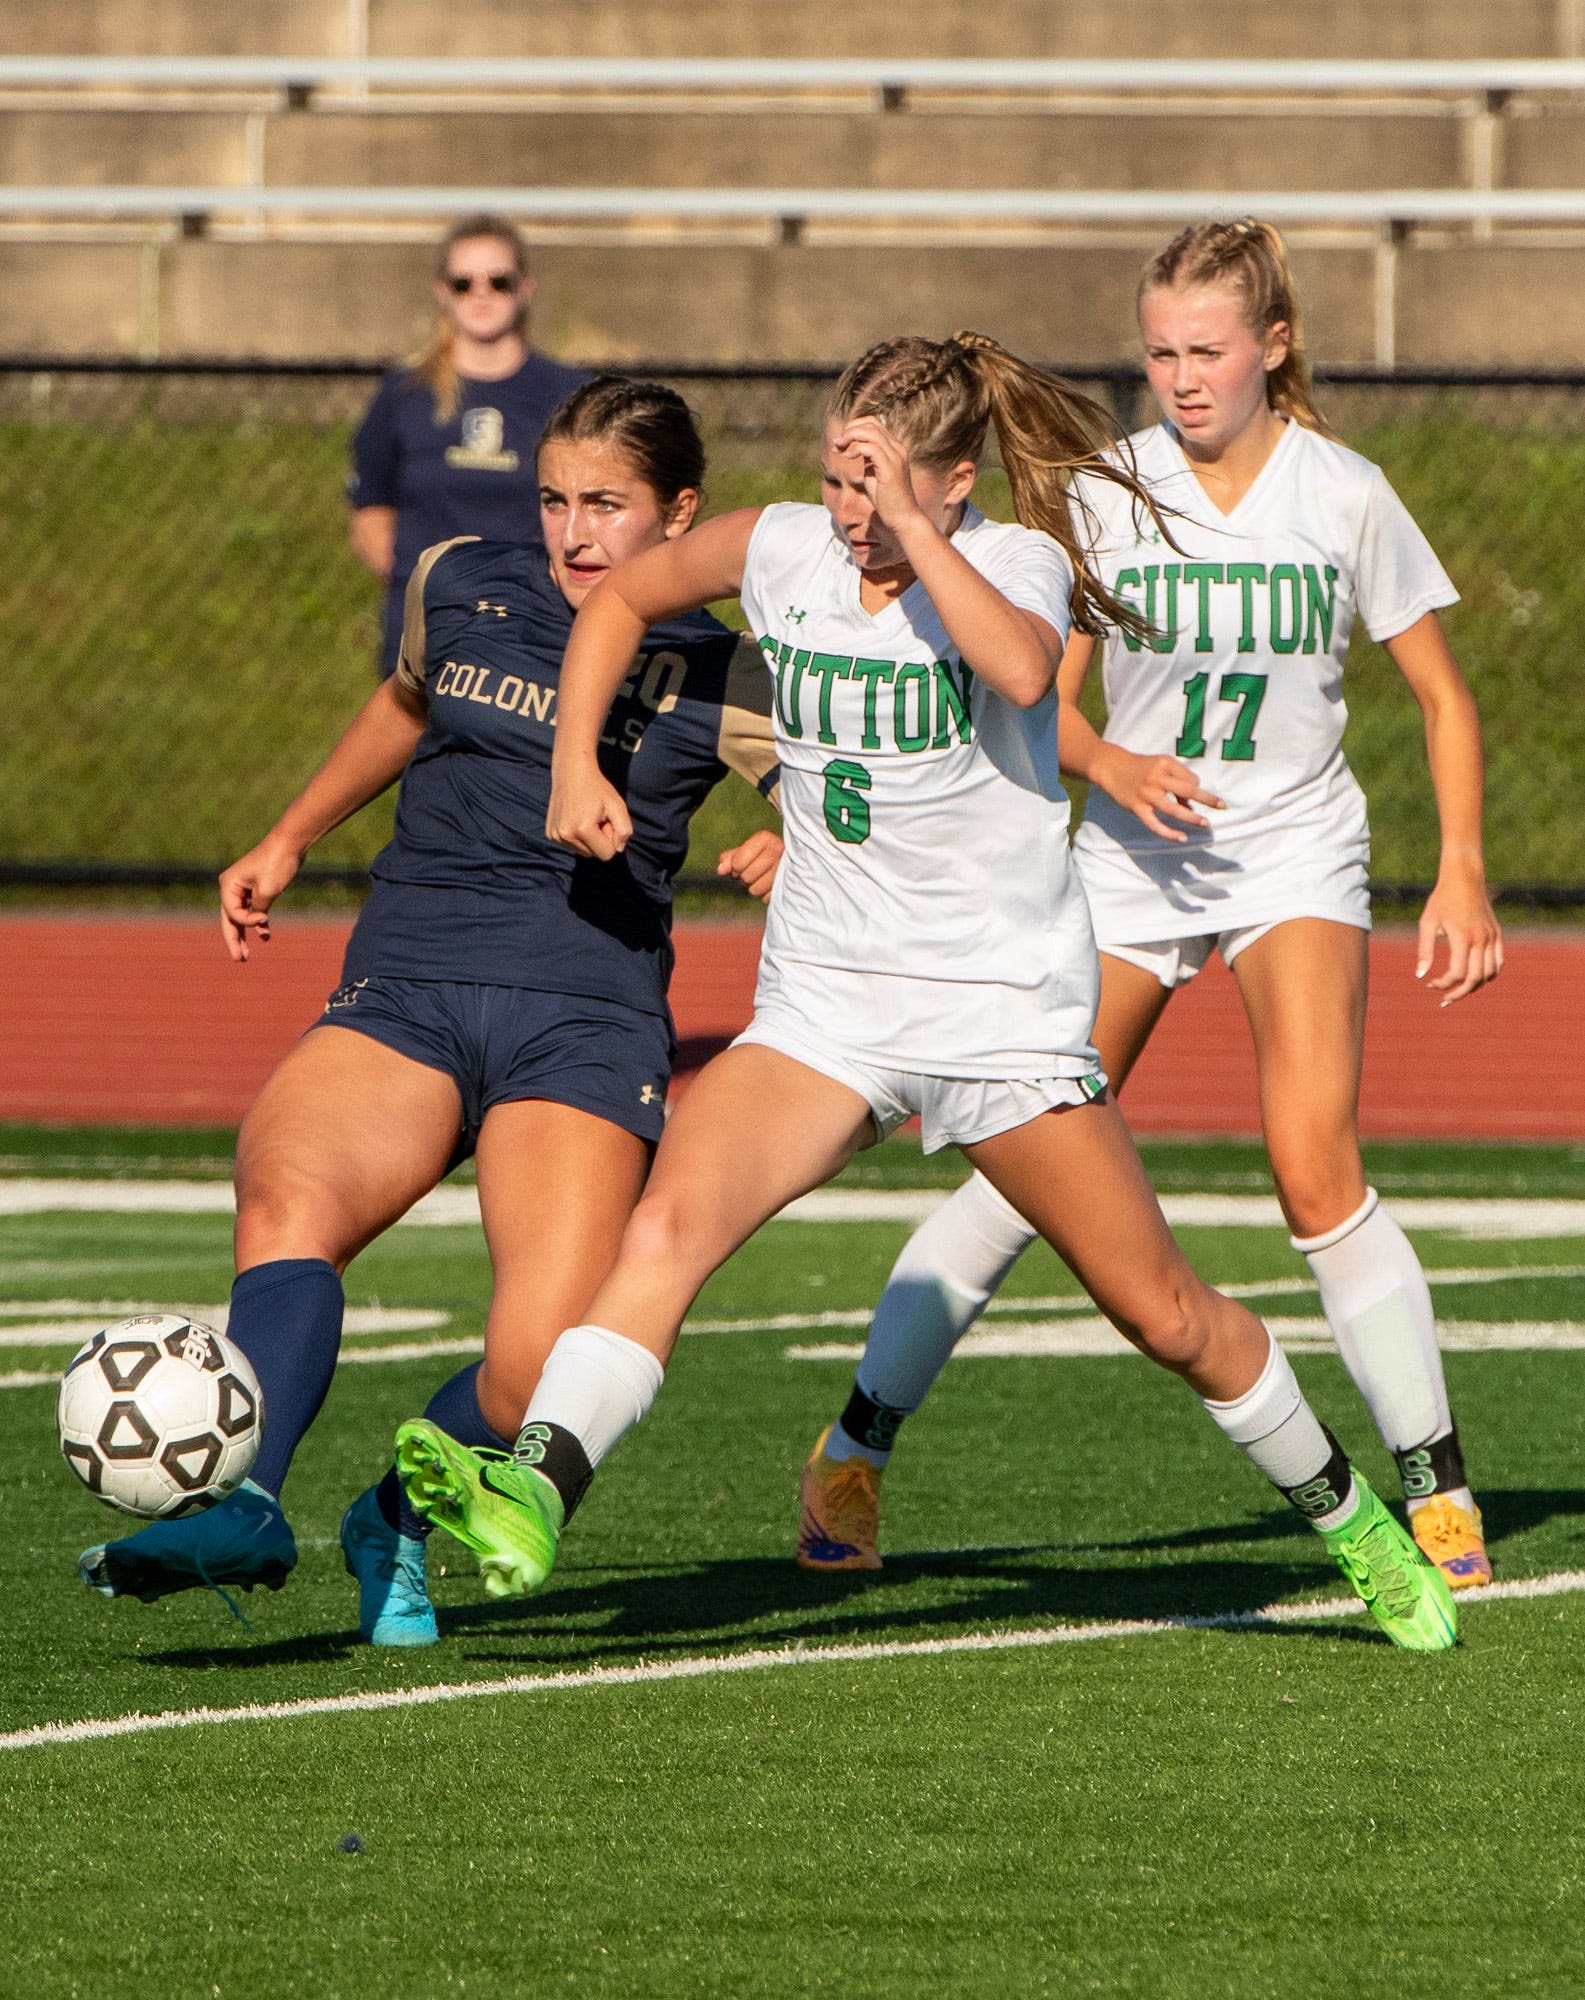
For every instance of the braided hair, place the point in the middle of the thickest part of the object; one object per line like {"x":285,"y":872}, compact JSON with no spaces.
{"x":941,"y":397}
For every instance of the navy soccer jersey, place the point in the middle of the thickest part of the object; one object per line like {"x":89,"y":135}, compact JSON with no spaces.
{"x":470,"y":888}
{"x":473,"y":475}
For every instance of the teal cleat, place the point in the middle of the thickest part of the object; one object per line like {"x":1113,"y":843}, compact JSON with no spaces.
{"x":507,"y":1513}
{"x":393,"y":1597}
{"x":240,"y":1541}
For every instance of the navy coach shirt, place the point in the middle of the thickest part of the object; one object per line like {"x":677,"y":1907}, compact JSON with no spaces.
{"x":472,"y":476}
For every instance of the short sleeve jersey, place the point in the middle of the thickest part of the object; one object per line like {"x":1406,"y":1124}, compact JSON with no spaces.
{"x":472,"y":475}
{"x":926,"y":915}
{"x":469,"y":888}
{"x":1242,"y":677}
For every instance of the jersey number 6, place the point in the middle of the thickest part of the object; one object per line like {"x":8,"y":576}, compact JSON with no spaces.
{"x":846,"y":808}
{"x":1248,"y":690}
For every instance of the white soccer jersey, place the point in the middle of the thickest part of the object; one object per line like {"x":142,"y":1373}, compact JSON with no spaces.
{"x":926,"y":914}
{"x":1243,"y":682}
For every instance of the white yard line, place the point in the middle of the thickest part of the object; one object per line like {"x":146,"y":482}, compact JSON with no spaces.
{"x":1094,"y":1337}
{"x":70,"y":1323}
{"x":1495,"y":1220}
{"x":713,"y":1665}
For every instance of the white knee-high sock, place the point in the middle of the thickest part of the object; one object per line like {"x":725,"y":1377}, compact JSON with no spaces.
{"x":951,"y":1265}
{"x":596,"y":1385}
{"x":1282,"y":1437}
{"x":1378,"y":1305}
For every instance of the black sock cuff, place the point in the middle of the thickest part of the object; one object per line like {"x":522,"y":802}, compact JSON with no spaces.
{"x":1325,"y":1491}
{"x":869,"y":1423}
{"x":560,"y":1456}
{"x":259,"y":1278}
{"x":1435,"y":1467}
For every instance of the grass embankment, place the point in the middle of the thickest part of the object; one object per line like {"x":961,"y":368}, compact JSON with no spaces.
{"x":189,"y":632}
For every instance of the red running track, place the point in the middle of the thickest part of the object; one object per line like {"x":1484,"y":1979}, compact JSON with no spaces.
{"x":144,"y":1020}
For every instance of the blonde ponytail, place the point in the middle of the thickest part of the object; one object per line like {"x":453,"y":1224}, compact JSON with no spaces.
{"x":1252,"y":256}
{"x":941,"y":398}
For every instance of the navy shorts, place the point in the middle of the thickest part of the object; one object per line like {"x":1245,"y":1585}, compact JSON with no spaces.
{"x":502,"y":1044}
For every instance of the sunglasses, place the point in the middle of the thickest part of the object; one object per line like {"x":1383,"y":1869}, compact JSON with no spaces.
{"x":498,"y":281}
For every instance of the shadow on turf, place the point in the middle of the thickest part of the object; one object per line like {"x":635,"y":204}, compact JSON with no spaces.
{"x":768,"y":1601}
{"x":649,"y":1612}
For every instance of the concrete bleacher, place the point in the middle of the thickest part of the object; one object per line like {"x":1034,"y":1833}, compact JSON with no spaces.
{"x":236,"y":279}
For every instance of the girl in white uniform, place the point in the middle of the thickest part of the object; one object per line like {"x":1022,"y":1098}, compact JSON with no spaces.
{"x":928,"y":949}
{"x":1222,"y":814}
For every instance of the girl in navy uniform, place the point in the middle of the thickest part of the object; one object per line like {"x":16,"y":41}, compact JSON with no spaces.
{"x":500,"y":997}
{"x":447,"y":447}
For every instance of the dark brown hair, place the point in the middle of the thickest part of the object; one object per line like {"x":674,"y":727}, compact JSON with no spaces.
{"x":648,"y":423}
{"x":1251,"y":257}
{"x":434,"y":365}
{"x":941,"y":398}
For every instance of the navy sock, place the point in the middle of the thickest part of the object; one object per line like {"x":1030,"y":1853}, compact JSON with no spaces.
{"x":454,"y":1408}
{"x":286,"y":1318}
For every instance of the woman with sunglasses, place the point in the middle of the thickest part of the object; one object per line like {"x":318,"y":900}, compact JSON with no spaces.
{"x":447,"y":447}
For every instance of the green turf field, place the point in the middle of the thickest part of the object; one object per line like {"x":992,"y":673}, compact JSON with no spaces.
{"x":1282,"y":1807}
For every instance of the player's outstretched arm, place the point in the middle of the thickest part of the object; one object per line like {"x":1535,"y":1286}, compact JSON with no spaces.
{"x":371,"y":756}
{"x":586,"y":811}
{"x":1458,"y":907}
{"x":1154,"y":789}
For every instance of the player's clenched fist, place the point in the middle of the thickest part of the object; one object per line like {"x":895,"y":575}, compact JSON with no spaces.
{"x":587,"y":814}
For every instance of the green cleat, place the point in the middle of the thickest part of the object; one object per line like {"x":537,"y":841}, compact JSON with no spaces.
{"x":508,"y":1514}
{"x":1405,"y":1593}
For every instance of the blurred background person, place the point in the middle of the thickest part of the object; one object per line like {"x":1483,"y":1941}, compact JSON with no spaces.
{"x":447,"y":446}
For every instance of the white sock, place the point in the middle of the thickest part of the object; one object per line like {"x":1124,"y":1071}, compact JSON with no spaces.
{"x":949,"y":1268}
{"x":1282,"y":1437}
{"x":1378,"y":1305}
{"x":596,"y":1384}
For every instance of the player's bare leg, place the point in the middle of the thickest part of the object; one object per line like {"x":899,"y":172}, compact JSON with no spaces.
{"x":946,"y":1274}
{"x":549,"y":1248}
{"x":344,"y":1137}
{"x":755,"y":1130}
{"x":1304,"y":989}
{"x":1076,"y":1175}
{"x":556,"y":1186}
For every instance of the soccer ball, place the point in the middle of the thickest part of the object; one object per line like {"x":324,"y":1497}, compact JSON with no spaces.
{"x":160,"y":1416}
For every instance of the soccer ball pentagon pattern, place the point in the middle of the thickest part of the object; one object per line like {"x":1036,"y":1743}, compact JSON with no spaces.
{"x":160,"y":1416}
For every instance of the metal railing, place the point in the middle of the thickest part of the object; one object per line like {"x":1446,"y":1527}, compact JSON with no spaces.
{"x":1190,"y":77}
{"x":1377,"y":208}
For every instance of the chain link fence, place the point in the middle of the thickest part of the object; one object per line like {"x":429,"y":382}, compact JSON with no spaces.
{"x":186,"y":629}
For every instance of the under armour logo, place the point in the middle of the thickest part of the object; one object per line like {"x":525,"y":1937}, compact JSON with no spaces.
{"x":795,"y":616}
{"x":483,"y":605}
{"x":648,"y":1094}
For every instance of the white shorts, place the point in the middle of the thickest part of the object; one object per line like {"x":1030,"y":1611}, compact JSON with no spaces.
{"x":952,"y":1110}
{"x":1175,"y":961}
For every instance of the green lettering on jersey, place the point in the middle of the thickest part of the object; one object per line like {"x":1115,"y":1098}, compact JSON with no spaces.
{"x":1320,"y":602}
{"x":952,"y":704}
{"x":1202,"y":576}
{"x":1163,"y":635}
{"x":829,"y":668}
{"x":911,"y":686}
{"x":1246,"y":576}
{"x":874,"y":674}
{"x":1284,"y":626}
{"x":1128,"y":579}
